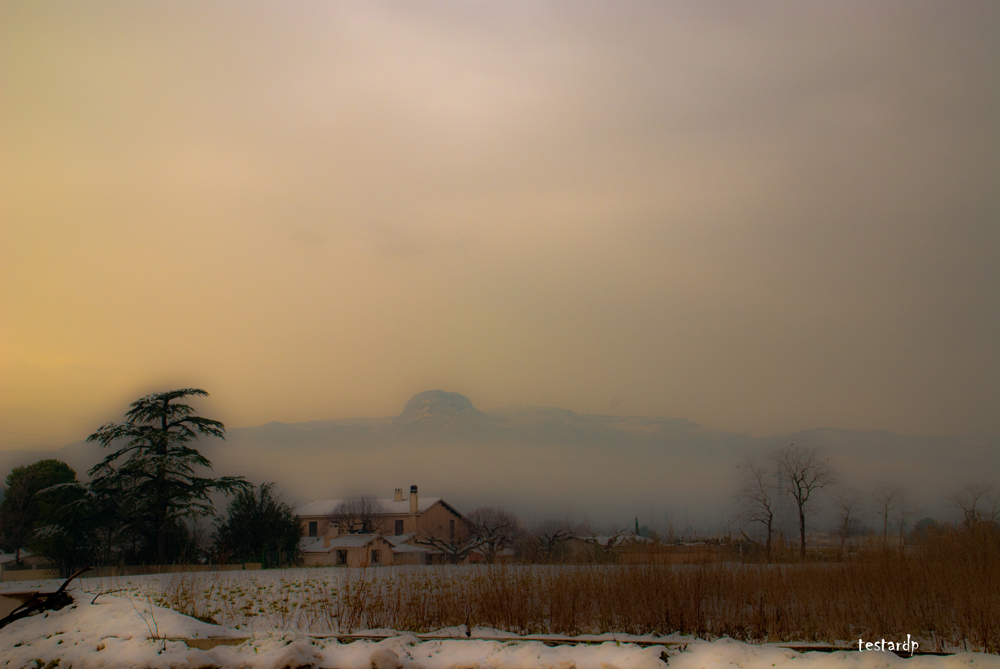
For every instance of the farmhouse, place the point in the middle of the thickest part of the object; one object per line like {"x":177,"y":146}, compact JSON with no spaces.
{"x":382,"y":531}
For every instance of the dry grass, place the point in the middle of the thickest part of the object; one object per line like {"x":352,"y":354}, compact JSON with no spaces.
{"x":946,"y":593}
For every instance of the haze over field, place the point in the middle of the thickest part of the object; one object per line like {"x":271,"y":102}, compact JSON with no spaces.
{"x":546,"y":463}
{"x":763,"y":219}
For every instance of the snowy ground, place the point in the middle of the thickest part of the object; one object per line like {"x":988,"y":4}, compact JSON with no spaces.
{"x":261,"y":601}
{"x":127,"y":629}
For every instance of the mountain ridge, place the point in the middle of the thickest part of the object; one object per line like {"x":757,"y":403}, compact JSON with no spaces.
{"x":531,"y":458}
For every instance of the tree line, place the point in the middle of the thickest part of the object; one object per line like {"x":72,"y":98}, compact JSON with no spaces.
{"x":141,"y":499}
{"x":798,"y":473}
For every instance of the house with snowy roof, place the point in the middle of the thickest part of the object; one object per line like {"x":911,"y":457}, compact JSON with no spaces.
{"x":327,"y":524}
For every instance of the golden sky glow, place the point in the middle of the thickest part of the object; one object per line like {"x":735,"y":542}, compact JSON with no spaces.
{"x":758,"y":217}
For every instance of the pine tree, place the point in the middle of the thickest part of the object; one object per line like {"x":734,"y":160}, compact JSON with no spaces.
{"x":258,"y":522}
{"x":157,"y":477}
{"x":20,"y":508}
{"x":65,"y":524}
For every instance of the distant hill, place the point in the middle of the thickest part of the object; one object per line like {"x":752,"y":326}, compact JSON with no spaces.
{"x":552,"y":463}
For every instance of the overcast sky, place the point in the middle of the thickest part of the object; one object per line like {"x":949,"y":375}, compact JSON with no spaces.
{"x":760,"y":217}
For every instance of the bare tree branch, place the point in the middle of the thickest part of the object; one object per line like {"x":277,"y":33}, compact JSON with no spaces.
{"x":756,"y":495}
{"x":886,"y":499}
{"x":848,"y":521}
{"x":803,"y":471}
{"x":496,"y":527}
{"x":457,"y":546}
{"x":978,"y":504}
{"x":362,"y":514}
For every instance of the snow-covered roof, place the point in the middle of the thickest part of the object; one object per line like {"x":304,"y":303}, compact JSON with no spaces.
{"x":315,"y":544}
{"x":312,"y":545}
{"x":603,"y":539}
{"x":600,"y":539}
{"x":398,"y":543}
{"x":410,"y":548}
{"x":400,"y":539}
{"x":353,"y":540}
{"x":326,"y":507}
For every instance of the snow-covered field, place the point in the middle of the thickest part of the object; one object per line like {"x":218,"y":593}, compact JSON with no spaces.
{"x":312,"y":601}
{"x":124,"y":627}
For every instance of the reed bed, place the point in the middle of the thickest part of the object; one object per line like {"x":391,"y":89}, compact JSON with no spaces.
{"x":945,"y":593}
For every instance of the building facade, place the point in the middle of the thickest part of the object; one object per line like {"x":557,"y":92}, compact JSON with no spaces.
{"x":332,"y":527}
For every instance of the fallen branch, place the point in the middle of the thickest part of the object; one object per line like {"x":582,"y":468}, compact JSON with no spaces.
{"x":40,"y":602}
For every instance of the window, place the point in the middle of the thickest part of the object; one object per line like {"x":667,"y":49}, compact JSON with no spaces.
{"x":399,"y":527}
{"x":375,"y":556}
{"x":312,"y":528}
{"x":451,"y":529}
{"x":341,"y":557}
{"x":430,"y":559}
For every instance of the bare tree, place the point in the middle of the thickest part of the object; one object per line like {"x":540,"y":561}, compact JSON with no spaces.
{"x":904,"y":512}
{"x":803,"y":471}
{"x":362,"y":514}
{"x":886,"y":499}
{"x":495,"y":527}
{"x":547,"y":542}
{"x":848,"y":521}
{"x":978,"y":504}
{"x":756,"y":496}
{"x":456,"y":546}
{"x":605,"y":545}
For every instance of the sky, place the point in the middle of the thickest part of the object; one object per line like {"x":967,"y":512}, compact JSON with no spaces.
{"x":761,"y":217}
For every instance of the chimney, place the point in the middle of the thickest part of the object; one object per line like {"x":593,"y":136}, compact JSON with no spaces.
{"x":399,"y":495}
{"x":413,"y":500}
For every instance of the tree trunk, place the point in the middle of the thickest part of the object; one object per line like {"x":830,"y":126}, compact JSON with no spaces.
{"x":161,"y":539}
{"x":161,"y":502}
{"x":802,"y":531}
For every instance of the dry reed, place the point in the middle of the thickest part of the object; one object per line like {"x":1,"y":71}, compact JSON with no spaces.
{"x":945,"y":593}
